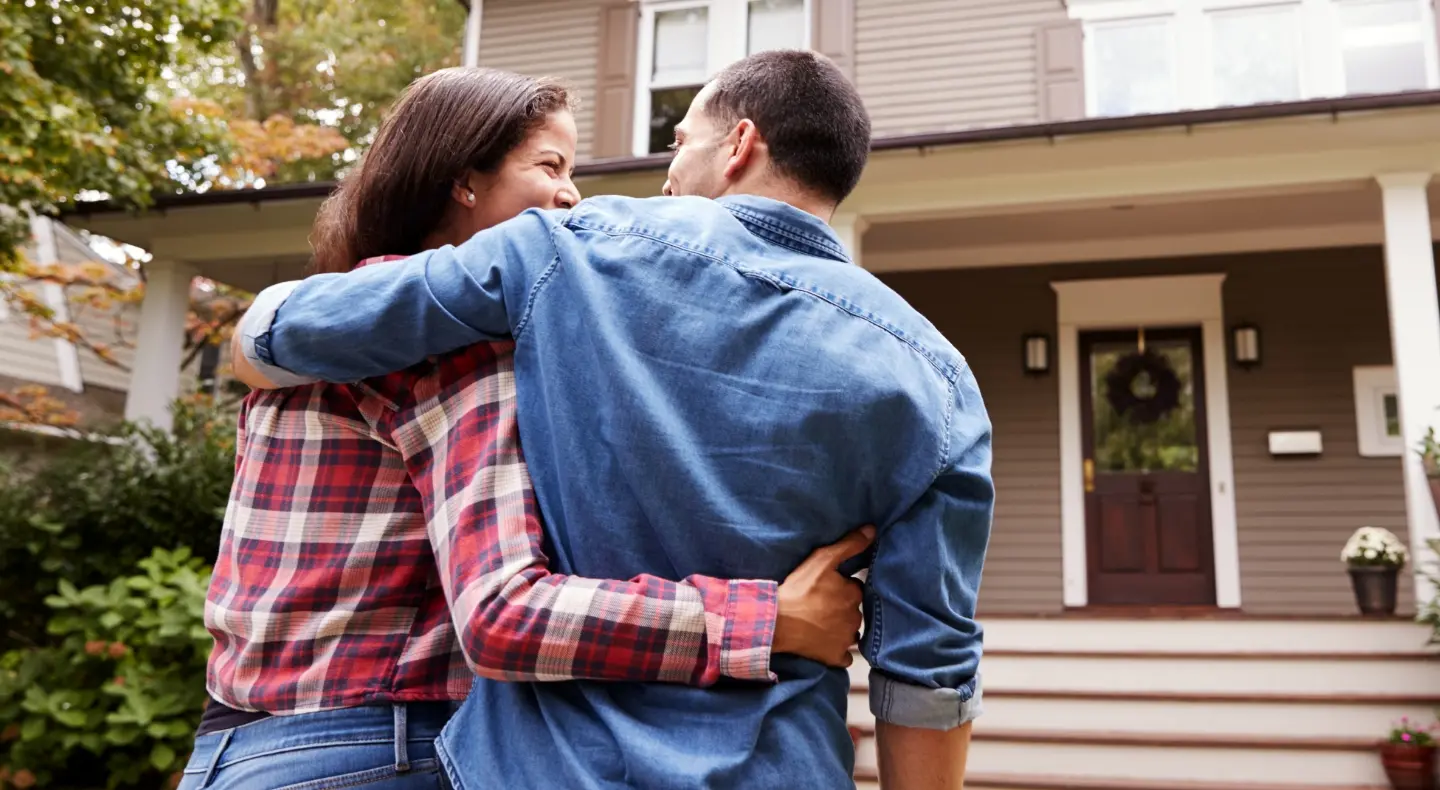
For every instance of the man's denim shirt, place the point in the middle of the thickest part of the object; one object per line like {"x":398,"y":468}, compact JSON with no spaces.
{"x":704,"y":387}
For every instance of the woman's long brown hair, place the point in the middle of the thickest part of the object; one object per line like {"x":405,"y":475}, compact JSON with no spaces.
{"x":444,"y":125}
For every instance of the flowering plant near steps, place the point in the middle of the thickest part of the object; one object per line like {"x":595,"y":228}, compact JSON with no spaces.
{"x":1374,"y":547}
{"x":1429,"y":613}
{"x":1407,"y":733}
{"x":1429,"y":451}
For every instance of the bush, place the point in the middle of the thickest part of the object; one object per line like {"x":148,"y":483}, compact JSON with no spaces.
{"x":118,"y":696}
{"x":102,"y":595}
{"x":94,"y":509}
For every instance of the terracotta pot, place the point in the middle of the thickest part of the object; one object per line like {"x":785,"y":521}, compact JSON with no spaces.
{"x":1435,"y":492}
{"x":1375,"y":589}
{"x":1409,"y":767}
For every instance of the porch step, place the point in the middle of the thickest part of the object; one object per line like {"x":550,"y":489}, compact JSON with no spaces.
{"x":869,"y":780}
{"x":1165,"y":757}
{"x":1219,"y":704}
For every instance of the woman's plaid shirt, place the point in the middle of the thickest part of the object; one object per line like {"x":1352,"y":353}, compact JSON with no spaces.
{"x":382,"y":542}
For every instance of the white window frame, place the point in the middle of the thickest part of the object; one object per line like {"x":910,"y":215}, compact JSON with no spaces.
{"x":1372,"y":384}
{"x":1322,"y":66}
{"x":728,"y":40}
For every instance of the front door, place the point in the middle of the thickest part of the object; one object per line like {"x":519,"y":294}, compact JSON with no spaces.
{"x":1147,"y":500}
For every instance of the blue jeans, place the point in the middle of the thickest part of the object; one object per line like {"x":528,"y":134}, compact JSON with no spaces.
{"x":375,"y":747}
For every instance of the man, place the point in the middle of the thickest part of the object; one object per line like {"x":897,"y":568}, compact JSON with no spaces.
{"x":712,"y":366}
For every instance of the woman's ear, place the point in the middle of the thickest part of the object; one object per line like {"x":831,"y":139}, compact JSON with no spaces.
{"x":464,"y":192}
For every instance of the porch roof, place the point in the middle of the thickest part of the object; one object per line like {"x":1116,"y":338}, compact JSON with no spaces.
{"x":251,"y":238}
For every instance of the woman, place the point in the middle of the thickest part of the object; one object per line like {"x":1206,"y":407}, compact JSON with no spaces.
{"x":382,"y":540}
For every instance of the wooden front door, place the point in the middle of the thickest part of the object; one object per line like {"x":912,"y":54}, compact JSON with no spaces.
{"x":1147,"y":492}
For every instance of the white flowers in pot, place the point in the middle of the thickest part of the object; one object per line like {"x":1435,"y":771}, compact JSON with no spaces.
{"x":1374,"y":547}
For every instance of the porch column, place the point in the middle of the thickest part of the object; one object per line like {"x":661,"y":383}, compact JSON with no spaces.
{"x":160,"y":342}
{"x":1415,"y":338}
{"x":851,"y":230}
{"x":470,"y":55}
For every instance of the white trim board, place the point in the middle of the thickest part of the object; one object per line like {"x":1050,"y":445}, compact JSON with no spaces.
{"x":1123,"y":304}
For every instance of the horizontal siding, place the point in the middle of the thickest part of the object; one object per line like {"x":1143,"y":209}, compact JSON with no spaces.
{"x":1022,"y":569}
{"x":555,"y":38}
{"x":932,"y":65}
{"x":114,"y":329}
{"x":1320,"y":313}
{"x":26,"y":358}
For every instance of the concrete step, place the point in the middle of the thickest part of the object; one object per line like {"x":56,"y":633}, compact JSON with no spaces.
{"x":1218,"y":635}
{"x":868,"y":780}
{"x":1196,"y":714}
{"x":1098,"y":756}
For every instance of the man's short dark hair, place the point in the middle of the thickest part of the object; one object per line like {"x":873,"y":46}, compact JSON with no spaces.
{"x":808,"y":113}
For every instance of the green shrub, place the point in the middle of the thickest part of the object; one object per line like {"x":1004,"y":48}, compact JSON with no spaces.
{"x":103,"y":547}
{"x":115,"y":700}
{"x":91,"y":511}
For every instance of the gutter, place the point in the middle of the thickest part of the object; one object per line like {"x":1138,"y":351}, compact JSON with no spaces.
{"x":1051,"y":131}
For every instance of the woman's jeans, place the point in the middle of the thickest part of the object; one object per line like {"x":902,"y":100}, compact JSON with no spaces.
{"x":374,"y":747}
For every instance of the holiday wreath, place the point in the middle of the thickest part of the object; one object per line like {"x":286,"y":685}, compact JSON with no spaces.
{"x":1142,"y":387}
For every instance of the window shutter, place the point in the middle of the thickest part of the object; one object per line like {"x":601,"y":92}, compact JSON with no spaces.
{"x":615,"y":79}
{"x":1061,"y":71}
{"x":832,"y":25}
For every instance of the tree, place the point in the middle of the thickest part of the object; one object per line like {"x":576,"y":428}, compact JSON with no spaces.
{"x":273,"y":91}
{"x":87,"y":106}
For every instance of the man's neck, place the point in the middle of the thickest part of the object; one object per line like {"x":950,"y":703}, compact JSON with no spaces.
{"x":786,"y":193}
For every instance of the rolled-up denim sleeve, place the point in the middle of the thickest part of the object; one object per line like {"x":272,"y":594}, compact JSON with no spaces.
{"x":923,"y":642}
{"x":388,"y":316}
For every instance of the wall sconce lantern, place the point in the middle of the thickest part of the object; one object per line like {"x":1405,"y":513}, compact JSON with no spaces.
{"x":1036,"y":355}
{"x":1245,"y":345}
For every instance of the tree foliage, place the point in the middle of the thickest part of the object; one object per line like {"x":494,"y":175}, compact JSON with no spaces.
{"x":87,"y":106}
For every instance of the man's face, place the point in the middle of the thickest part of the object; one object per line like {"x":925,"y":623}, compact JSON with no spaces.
{"x":698,"y":168}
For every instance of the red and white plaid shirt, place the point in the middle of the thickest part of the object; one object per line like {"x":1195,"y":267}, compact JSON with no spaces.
{"x":383,"y":541}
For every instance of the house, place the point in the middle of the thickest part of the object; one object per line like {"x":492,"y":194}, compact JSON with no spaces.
{"x":88,"y":386}
{"x":1188,"y":249}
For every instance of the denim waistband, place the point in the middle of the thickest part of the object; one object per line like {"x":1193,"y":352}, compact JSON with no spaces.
{"x":400,"y":724}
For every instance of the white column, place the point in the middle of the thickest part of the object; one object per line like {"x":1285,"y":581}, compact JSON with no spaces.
{"x":1415,"y":338}
{"x":160,"y":342}
{"x":851,"y":230}
{"x":471,"y":54}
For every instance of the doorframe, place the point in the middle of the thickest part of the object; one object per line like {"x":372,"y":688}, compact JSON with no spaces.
{"x":1126,"y":303}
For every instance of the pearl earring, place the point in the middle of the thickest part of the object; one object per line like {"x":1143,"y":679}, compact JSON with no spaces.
{"x":470,"y":198}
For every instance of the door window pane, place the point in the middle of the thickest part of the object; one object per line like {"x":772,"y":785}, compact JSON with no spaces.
{"x":681,"y":47}
{"x":1256,"y":55}
{"x":1383,"y":46}
{"x":776,"y":24}
{"x":1135,"y":65}
{"x":1128,"y":442}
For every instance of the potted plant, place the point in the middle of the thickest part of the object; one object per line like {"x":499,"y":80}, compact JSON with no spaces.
{"x":1374,"y":557}
{"x":1408,"y":756}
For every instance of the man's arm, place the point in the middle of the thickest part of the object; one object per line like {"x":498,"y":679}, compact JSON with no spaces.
{"x":518,"y":621}
{"x":388,"y":316}
{"x":923,"y":642}
{"x":914,"y":758}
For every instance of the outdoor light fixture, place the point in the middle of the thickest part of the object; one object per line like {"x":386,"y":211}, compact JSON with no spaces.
{"x":1245,"y":342}
{"x":1037,"y":354}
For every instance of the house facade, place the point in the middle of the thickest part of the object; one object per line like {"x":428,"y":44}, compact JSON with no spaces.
{"x":1187,"y":247}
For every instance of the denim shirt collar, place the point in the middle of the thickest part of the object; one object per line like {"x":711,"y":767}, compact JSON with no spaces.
{"x":783,"y":224}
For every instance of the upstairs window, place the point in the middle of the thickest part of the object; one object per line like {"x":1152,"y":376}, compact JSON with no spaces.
{"x":1149,"y":56}
{"x":685,"y":42}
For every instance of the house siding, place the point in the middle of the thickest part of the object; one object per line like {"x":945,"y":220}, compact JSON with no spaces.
{"x":554,"y":38}
{"x":30,"y":359}
{"x":1320,"y":314}
{"x":936,"y":65}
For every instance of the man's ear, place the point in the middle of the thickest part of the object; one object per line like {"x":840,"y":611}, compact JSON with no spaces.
{"x":743,"y":141}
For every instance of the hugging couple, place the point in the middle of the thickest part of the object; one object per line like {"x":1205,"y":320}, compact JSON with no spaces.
{"x":724,"y":421}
